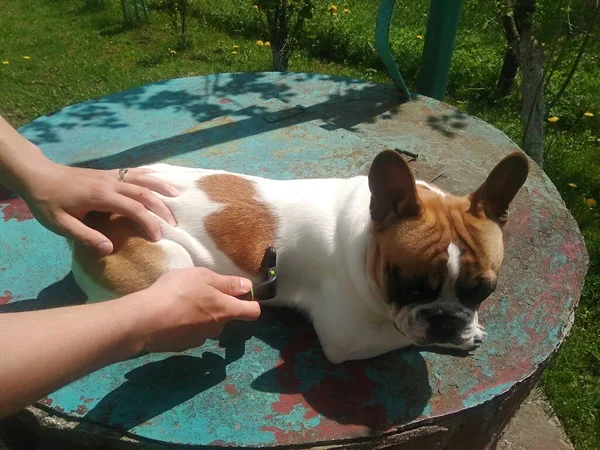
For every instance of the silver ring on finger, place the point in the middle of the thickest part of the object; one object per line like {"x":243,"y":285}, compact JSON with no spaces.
{"x":122,"y":173}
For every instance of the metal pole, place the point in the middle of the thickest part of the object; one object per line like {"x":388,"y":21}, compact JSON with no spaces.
{"x":382,"y":44}
{"x":442,"y":25}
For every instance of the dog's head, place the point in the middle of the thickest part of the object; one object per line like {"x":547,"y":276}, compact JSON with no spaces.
{"x":436,"y":256}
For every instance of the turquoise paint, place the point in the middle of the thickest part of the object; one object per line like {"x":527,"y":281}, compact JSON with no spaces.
{"x":442,"y":25}
{"x":220,"y":121}
{"x":382,"y":44}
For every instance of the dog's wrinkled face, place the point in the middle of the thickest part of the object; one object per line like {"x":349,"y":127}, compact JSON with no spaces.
{"x":437,"y":256}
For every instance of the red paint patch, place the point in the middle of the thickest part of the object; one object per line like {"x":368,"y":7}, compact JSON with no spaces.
{"x":338,"y":400}
{"x":46,"y":401}
{"x":88,"y":400}
{"x":230,"y":389}
{"x":23,"y":238}
{"x":81,"y":410}
{"x":7,"y":297}
{"x":572,"y":250}
{"x":15,"y":208}
{"x":224,"y":101}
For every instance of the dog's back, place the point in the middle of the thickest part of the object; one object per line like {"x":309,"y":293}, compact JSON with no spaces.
{"x":225,"y":222}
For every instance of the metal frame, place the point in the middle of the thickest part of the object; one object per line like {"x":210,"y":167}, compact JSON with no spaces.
{"x":442,"y":25}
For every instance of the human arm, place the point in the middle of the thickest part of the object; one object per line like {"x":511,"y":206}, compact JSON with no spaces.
{"x":59,"y":196}
{"x":42,"y":351}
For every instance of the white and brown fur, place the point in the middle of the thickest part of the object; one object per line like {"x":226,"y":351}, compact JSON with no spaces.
{"x":377,"y":262}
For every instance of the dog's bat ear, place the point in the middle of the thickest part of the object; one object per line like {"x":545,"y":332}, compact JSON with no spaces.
{"x":494,"y":196}
{"x":393,"y":188}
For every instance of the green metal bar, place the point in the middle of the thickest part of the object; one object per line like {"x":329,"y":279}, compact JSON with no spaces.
{"x":382,"y":44}
{"x":442,"y":24}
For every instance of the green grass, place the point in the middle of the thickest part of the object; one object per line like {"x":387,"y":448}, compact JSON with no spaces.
{"x":78,"y":54}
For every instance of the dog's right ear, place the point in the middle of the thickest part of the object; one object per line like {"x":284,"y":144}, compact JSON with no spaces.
{"x":393,"y":188}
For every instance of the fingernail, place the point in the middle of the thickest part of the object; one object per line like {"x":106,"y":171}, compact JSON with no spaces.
{"x":173,"y":190}
{"x":245,"y":285}
{"x":172,"y":221}
{"x":105,"y":247}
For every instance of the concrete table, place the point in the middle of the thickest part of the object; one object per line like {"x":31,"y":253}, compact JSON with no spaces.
{"x":268,"y":385}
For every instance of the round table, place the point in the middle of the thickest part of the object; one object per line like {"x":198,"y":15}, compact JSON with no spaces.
{"x":268,"y":384}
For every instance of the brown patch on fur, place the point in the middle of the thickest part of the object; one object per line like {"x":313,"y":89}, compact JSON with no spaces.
{"x":245,"y":227}
{"x":418,"y":245}
{"x":135,"y":262}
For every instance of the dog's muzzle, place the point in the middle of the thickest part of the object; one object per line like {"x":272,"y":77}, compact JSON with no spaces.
{"x":445,"y":324}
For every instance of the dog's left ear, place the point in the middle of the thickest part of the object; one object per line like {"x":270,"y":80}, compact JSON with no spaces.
{"x":499,"y":189}
{"x":393,"y":188}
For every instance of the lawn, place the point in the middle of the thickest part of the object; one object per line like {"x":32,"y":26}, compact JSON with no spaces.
{"x":56,"y":53}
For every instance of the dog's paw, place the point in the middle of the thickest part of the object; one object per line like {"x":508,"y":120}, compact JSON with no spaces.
{"x":475,"y":340}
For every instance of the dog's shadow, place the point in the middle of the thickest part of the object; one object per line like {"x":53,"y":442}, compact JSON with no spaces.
{"x":376,"y":394}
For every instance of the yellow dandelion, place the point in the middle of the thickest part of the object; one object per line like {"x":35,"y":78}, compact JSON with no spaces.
{"x":553,"y":119}
{"x":419,"y":37}
{"x":267,"y":44}
{"x":573,"y":185}
{"x":260,"y":43}
{"x":5,"y":62}
{"x":543,"y":44}
{"x":172,"y":52}
{"x":255,"y":7}
{"x":26,"y":57}
{"x":332,"y":9}
{"x":598,"y":140}
{"x":234,"y":53}
{"x":591,"y":202}
{"x":424,"y":15}
{"x":236,"y":47}
{"x":588,"y":114}
{"x":347,"y":11}
{"x":334,"y":14}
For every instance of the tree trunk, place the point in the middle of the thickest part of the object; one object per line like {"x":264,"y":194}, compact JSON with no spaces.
{"x":523,"y":16}
{"x":532,"y":97}
{"x":280,"y":59}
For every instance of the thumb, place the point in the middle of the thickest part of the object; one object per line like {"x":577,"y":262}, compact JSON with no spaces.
{"x":94,"y":240}
{"x":229,"y":285}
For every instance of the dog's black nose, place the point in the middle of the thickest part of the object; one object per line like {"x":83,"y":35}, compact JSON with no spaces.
{"x":445,"y":322}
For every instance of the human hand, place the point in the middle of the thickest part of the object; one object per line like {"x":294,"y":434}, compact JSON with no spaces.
{"x":184,"y":307}
{"x":59,"y":196}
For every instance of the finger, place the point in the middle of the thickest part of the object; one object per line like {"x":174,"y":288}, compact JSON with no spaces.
{"x":143,"y":177}
{"x":136,"y":211}
{"x":89,"y":237}
{"x":148,"y":199}
{"x":227,"y":284}
{"x":241,"y":309}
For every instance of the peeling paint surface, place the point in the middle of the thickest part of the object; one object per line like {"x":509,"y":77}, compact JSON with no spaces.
{"x":268,"y":383}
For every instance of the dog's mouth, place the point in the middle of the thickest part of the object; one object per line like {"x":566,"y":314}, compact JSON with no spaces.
{"x":424,"y":334}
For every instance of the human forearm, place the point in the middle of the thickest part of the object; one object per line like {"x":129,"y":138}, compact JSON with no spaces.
{"x":19,"y":158}
{"x":44,"y":350}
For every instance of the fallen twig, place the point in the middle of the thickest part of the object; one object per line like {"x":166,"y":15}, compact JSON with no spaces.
{"x":407,"y":153}
{"x":439,"y":175}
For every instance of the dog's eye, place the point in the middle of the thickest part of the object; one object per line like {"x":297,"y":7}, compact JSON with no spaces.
{"x":410,"y":289}
{"x":419,"y":290}
{"x":476,"y":293}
